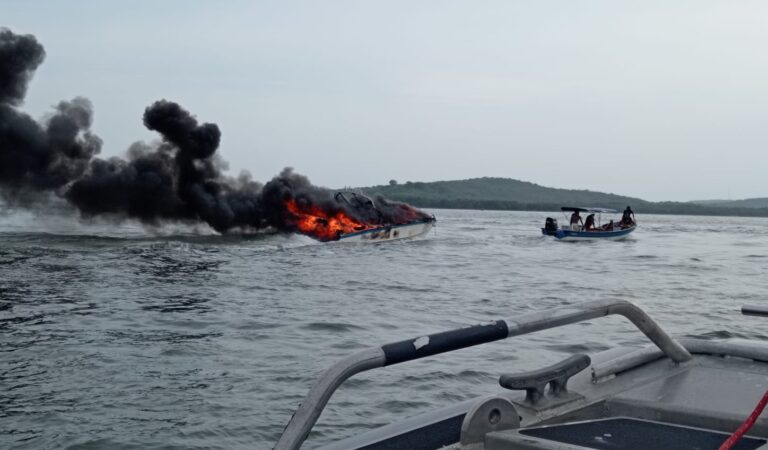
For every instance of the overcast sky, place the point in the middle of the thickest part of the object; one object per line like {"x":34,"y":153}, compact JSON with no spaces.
{"x":655,"y":99}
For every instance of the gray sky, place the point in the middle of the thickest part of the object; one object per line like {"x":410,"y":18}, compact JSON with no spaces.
{"x":656,"y":99}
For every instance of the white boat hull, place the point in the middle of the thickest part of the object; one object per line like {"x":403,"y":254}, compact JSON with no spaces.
{"x":390,"y":233}
{"x":567,"y":235}
{"x":596,"y":236}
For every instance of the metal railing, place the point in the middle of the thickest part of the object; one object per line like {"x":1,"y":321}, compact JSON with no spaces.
{"x":757,"y":351}
{"x":306,"y":415}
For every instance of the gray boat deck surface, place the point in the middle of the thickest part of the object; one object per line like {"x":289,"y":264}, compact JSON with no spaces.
{"x":712,"y":393}
{"x":705,"y":400}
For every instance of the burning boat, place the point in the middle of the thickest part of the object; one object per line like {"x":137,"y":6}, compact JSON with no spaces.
{"x":179,"y":179}
{"x":391,"y":232}
{"x":355,"y":217}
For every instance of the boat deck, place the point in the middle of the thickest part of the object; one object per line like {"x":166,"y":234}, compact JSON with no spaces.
{"x":692,"y":393}
{"x":700,"y":401}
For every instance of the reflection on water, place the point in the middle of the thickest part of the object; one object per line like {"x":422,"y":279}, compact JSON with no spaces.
{"x":178,"y":303}
{"x":115,"y":339}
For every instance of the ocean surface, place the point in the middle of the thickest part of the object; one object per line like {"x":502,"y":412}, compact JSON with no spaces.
{"x":117,"y":337}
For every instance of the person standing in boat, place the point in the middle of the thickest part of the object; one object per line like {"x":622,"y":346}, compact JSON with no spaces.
{"x":628,"y":217}
{"x":576,"y":218}
{"x":589,"y":224}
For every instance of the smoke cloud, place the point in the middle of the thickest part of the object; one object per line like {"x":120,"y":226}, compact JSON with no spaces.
{"x":180,"y":179}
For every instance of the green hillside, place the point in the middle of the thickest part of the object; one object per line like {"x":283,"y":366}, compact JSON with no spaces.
{"x":497,"y":193}
{"x":509,"y":194}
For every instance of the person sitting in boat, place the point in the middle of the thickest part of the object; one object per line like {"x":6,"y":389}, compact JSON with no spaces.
{"x":608,"y":226}
{"x":589,"y":224}
{"x":627,"y":218}
{"x":576,"y":218}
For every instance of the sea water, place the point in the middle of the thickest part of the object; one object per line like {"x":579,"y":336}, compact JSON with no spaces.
{"x":118,"y":337}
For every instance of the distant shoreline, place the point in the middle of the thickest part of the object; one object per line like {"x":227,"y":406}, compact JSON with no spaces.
{"x":557,"y":210}
{"x":506,"y":194}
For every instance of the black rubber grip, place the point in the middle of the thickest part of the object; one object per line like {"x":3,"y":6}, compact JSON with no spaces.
{"x":754,"y":310}
{"x":446,"y":341}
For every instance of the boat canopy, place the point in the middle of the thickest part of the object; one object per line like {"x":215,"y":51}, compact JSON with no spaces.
{"x":590,"y":210}
{"x":354,"y":199}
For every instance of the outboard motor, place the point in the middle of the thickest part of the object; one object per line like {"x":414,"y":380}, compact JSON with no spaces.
{"x":550,"y":226}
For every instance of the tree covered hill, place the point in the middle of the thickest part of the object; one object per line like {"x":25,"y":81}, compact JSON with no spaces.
{"x":510,"y":194}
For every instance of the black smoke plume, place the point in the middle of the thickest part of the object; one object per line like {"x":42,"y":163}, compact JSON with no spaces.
{"x":180,"y":179}
{"x":34,"y":156}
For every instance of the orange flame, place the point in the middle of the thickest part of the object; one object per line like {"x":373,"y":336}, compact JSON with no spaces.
{"x":322,"y":225}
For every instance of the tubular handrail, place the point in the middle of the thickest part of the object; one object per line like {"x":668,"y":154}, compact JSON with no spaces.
{"x":306,"y":415}
{"x":757,"y":351}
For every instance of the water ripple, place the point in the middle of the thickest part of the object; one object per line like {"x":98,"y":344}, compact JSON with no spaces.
{"x":115,"y":338}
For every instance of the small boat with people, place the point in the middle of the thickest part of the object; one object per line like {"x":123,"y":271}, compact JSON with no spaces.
{"x":687,"y":393}
{"x":592,"y":226}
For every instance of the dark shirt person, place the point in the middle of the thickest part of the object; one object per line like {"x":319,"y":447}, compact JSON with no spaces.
{"x":589,"y":225}
{"x":608,"y":226}
{"x":628,"y":217}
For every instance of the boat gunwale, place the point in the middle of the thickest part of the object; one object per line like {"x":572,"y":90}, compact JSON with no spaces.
{"x":594,"y":234}
{"x":387,"y":227}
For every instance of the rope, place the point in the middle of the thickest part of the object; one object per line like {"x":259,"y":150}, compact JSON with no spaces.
{"x":744,"y":427}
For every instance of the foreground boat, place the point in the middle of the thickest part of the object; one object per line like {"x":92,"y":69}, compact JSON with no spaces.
{"x":577,"y":232}
{"x":673,"y":394}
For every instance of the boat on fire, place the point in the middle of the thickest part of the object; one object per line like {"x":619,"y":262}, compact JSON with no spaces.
{"x":613,"y":230}
{"x":671,"y":394}
{"x":383,"y":230}
{"x":355,"y":217}
{"x":412,"y":229}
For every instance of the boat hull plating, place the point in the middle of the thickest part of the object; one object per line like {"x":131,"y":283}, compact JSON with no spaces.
{"x":571,"y":235}
{"x":390,"y":233}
